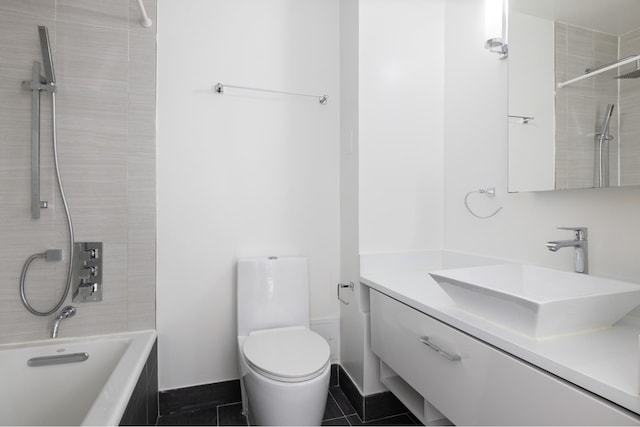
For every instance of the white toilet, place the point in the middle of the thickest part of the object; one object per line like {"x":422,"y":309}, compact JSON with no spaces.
{"x":285,"y":367}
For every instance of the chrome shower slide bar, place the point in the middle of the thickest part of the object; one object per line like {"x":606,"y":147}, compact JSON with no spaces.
{"x":219,"y":88}
{"x":36,"y":85}
{"x":36,"y":203}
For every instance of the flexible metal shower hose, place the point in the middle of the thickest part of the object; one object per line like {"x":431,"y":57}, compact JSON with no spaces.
{"x":25,"y":268}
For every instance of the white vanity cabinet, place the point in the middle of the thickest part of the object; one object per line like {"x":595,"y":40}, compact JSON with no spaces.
{"x":473,"y":383}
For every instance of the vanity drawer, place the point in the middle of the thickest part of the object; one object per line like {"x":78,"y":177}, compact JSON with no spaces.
{"x":473,"y":383}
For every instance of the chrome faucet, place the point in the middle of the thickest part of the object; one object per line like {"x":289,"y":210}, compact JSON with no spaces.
{"x":68,"y":311}
{"x":580,"y":261}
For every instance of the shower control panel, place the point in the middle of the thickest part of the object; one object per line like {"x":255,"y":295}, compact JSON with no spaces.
{"x":87,"y":272}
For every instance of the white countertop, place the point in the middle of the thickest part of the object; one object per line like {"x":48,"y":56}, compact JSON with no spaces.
{"x":604,"y":362}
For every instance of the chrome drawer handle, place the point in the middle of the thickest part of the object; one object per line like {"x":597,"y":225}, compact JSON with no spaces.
{"x":449,"y":356}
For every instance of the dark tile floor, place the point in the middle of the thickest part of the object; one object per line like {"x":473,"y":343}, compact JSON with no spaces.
{"x":338,"y":412}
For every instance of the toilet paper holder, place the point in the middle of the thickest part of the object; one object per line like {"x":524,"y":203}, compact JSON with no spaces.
{"x":350,"y":285}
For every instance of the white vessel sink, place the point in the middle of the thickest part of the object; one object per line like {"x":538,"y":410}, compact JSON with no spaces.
{"x":536,"y":301}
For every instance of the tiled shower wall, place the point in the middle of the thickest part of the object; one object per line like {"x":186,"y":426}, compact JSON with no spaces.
{"x":105,"y":67}
{"x":580,"y":107}
{"x":629,"y":113}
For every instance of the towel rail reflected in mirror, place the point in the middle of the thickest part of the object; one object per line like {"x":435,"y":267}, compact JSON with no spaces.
{"x":567,"y":67}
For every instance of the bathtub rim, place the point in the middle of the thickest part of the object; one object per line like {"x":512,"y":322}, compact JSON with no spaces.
{"x":110,"y":404}
{"x":107,"y":409}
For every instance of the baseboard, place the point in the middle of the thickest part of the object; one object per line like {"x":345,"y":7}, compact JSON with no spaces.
{"x":373,"y":406}
{"x":204,"y":396}
{"x":210,"y":395}
{"x":199,"y":397}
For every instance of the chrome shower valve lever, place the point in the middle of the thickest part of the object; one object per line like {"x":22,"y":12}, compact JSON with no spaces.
{"x":93,"y":253}
{"x":91,"y":270}
{"x":87,"y":291}
{"x":89,"y":287}
{"x":88,"y":253}
{"x":88,"y":272}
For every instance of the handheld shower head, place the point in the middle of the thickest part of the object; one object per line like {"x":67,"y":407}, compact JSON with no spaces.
{"x":607,"y":118}
{"x":45,"y":45}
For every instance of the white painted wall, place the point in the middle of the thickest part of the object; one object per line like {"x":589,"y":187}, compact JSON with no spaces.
{"x":351,"y":318}
{"x":476,"y":156}
{"x":244,"y":173}
{"x":392,"y":157}
{"x":401,"y":124}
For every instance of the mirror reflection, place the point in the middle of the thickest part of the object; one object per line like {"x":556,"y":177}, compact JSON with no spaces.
{"x":574,"y":94}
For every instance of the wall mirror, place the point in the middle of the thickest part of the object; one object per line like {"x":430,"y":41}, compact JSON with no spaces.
{"x":574,"y":94}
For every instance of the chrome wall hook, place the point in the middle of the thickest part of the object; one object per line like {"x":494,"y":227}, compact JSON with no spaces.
{"x":351,"y":286}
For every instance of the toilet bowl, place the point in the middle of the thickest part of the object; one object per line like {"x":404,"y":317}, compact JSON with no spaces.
{"x":286,"y":376}
{"x":285,"y":367}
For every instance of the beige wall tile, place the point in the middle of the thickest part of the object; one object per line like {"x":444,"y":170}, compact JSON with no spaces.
{"x":99,"y":13}
{"x":105,"y":67}
{"x":141,"y":301}
{"x":42,"y":9}
{"x":135,"y":16}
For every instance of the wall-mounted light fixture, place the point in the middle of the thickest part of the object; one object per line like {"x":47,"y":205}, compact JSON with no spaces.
{"x":495,"y":27}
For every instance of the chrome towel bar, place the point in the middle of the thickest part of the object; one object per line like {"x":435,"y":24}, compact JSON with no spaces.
{"x":219,"y":88}
{"x":523,"y":119}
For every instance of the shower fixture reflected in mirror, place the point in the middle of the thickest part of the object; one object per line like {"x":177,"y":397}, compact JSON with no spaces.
{"x":570,"y":61}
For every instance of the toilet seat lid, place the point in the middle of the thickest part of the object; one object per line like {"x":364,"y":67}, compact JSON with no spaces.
{"x":287,"y":354}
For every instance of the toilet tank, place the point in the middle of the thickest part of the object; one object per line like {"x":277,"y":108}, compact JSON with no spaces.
{"x":272,"y":292}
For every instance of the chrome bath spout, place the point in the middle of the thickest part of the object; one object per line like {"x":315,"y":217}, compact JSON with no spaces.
{"x":67,"y":312}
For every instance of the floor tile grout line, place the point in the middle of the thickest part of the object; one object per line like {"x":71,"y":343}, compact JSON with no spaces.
{"x":334,"y":418}
{"x":340,"y":407}
{"x":228,"y":404}
{"x":357,"y":416}
{"x":387,"y":417}
{"x":333,"y":390}
{"x":411,"y":417}
{"x":337,"y":404}
{"x":347,"y":400}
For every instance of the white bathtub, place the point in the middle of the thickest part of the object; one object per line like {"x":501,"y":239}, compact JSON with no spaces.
{"x":92,"y":392}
